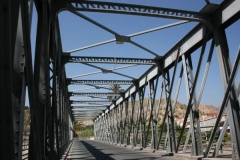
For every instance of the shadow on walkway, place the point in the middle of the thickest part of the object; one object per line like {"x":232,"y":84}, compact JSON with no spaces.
{"x":96,"y":153}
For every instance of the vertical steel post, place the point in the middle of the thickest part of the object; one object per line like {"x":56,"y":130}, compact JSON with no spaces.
{"x":153,"y":118}
{"x":133,"y":120}
{"x":142,"y":121}
{"x":12,"y":78}
{"x":232,"y":107}
{"x":194,"y":129}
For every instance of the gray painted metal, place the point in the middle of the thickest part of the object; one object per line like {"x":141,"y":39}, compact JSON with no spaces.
{"x":230,"y":99}
{"x":131,"y":35}
{"x":119,"y":38}
{"x":107,"y":60}
{"x":100,"y":82}
{"x":109,"y":7}
{"x":92,"y":94}
{"x":90,"y":102}
{"x":51,"y":114}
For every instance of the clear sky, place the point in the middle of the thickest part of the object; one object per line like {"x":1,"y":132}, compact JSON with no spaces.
{"x":77,"y":32}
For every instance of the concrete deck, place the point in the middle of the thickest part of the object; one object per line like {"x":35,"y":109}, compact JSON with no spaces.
{"x":89,"y":150}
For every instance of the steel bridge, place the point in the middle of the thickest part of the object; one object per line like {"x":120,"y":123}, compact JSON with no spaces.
{"x":124,"y":117}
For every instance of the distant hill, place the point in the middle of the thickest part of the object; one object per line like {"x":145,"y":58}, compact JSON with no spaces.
{"x":180,"y":110}
{"x":208,"y":109}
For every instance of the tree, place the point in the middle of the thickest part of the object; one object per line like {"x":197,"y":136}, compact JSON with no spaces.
{"x":115,"y":88}
{"x":27,"y":116}
{"x":78,"y":125}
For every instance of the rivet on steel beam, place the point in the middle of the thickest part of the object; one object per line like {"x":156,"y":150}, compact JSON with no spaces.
{"x":17,"y":131}
{"x":23,"y":54}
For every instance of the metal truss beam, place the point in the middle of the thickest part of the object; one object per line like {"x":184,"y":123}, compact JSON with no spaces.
{"x":93,"y":94}
{"x":85,"y":115}
{"x":86,"y":109}
{"x":76,"y":107}
{"x":107,"y":60}
{"x":230,"y":102}
{"x":99,"y":82}
{"x":84,"y":118}
{"x":129,"y":36}
{"x":120,"y":39}
{"x":105,"y":71}
{"x":121,"y":8}
{"x":111,"y":70}
{"x":90,"y":102}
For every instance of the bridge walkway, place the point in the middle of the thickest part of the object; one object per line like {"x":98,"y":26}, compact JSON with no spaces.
{"x":90,"y":149}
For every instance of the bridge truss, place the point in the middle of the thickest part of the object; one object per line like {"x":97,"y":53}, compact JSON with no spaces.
{"x":130,"y":117}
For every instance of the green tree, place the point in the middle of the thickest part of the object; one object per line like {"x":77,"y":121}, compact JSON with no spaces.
{"x":78,"y":125}
{"x":115,"y":88}
{"x":27,"y":116}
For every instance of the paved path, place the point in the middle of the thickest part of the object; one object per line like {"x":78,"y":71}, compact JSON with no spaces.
{"x":89,"y":149}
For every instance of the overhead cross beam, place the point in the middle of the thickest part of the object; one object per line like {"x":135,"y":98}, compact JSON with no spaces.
{"x":121,"y":8}
{"x":107,"y":60}
{"x":89,"y":102}
{"x":78,"y":116}
{"x":106,"y":71}
{"x":93,"y":94}
{"x":99,"y":82}
{"x":85,"y":112}
{"x":75,"y":107}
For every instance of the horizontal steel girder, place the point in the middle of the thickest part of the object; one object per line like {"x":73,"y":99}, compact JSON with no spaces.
{"x":100,"y":82}
{"x":93,"y":94}
{"x":76,"y":107}
{"x":84,"y":116}
{"x":132,"y":9}
{"x":86,"y":109}
{"x":86,"y":113}
{"x":87,"y":102}
{"x":107,"y":60}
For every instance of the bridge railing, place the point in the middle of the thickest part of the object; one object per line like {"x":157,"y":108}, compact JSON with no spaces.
{"x":25,"y":146}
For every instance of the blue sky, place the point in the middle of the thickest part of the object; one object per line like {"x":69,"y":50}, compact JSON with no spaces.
{"x":77,"y":32}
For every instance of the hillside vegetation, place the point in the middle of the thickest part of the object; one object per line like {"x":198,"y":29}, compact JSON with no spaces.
{"x":179,"y":113}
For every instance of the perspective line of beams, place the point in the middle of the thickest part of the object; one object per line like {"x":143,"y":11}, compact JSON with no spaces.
{"x":109,"y":60}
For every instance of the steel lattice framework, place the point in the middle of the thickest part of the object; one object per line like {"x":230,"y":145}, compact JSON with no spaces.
{"x":100,"y":82}
{"x":129,"y":117}
{"x":113,"y":60}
